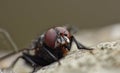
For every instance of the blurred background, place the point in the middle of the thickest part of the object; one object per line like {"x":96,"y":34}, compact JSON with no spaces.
{"x":26,"y":19}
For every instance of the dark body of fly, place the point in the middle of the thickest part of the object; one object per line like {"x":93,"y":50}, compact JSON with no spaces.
{"x":49,"y":47}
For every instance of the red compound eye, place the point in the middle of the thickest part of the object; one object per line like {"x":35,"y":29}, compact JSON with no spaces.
{"x":63,"y":31}
{"x":51,"y":35}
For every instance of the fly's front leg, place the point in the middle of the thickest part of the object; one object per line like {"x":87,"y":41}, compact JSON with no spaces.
{"x":79,"y":45}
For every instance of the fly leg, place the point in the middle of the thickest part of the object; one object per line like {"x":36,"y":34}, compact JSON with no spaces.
{"x":79,"y":45}
{"x":53,"y":56}
{"x":12,"y":65}
{"x":28,"y":59}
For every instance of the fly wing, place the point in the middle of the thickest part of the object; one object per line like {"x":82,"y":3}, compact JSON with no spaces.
{"x":6,"y":44}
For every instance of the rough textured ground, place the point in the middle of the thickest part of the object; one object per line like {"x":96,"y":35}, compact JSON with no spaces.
{"x":105,"y":58}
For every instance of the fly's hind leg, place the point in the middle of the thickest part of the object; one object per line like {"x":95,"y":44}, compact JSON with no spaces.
{"x":13,"y":64}
{"x":28,"y":59}
{"x":10,"y":68}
